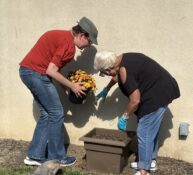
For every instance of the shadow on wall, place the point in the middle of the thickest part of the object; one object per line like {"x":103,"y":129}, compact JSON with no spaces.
{"x":79,"y":114}
{"x":85,"y":61}
{"x":111,"y":109}
{"x":165,"y":128}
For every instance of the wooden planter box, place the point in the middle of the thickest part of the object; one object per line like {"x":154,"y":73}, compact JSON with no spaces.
{"x":107,"y":149}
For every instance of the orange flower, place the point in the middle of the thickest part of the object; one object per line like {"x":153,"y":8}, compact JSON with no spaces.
{"x":82,"y":77}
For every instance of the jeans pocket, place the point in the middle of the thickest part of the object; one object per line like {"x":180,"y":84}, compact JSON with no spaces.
{"x":25,"y":71}
{"x":46,"y":79}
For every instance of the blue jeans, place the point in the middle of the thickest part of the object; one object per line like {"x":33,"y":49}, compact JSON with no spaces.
{"x":50,"y":126}
{"x":147,"y":135}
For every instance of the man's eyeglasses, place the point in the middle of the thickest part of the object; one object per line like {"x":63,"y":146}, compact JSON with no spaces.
{"x":87,"y":36}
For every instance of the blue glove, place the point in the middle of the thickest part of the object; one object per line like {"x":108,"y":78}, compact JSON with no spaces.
{"x":122,"y":123}
{"x":102,"y":94}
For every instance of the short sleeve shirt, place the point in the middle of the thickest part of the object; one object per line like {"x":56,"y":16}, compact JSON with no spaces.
{"x":56,"y":46}
{"x":157,"y":87}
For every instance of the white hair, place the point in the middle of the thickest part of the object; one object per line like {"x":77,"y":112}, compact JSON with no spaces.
{"x":104,"y":60}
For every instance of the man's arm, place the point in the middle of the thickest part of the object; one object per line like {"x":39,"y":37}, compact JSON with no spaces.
{"x":53,"y":71}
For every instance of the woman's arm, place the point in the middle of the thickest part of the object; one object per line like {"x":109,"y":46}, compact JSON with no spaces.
{"x":134,"y":100}
{"x":112,"y":82}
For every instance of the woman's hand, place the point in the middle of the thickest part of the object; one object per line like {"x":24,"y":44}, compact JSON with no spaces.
{"x":102,"y":94}
{"x":122,"y":122}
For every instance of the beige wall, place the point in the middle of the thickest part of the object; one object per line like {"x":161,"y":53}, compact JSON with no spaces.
{"x":161,"y":29}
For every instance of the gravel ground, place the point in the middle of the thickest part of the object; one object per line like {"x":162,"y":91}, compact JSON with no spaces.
{"x":13,"y":152}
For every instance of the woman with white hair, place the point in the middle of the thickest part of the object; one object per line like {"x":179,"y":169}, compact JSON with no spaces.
{"x":149,"y":88}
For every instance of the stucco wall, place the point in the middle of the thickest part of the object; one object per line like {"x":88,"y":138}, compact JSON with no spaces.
{"x":161,"y":29}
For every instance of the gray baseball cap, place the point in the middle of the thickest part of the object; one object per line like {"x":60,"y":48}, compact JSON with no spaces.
{"x":87,"y":25}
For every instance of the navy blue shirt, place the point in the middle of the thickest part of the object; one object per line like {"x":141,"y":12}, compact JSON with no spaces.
{"x":157,"y":87}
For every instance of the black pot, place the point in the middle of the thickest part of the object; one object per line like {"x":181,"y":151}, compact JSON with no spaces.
{"x":77,"y":100}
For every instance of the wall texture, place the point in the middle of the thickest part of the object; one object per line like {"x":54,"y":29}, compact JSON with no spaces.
{"x":161,"y":29}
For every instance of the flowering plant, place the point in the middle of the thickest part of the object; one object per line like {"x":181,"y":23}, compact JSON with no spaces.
{"x":82,"y":77}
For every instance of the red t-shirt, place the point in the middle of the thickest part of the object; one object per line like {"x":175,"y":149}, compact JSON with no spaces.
{"x":56,"y":46}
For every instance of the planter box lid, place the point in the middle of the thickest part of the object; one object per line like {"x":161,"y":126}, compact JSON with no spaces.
{"x":108,"y":137}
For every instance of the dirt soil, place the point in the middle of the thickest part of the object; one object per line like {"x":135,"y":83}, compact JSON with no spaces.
{"x":13,"y":152}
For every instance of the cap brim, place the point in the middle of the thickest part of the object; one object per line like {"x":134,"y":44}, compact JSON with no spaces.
{"x":94,"y":40}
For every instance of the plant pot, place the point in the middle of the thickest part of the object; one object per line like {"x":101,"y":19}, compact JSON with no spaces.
{"x":107,"y":149}
{"x":77,"y":100}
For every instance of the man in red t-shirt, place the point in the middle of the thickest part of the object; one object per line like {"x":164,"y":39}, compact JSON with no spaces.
{"x":52,"y":51}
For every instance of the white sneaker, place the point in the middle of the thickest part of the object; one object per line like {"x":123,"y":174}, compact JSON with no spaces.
{"x":153,"y":167}
{"x":32,"y":162}
{"x":138,"y":173}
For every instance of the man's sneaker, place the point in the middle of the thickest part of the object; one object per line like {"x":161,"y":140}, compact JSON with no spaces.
{"x":153,"y":167}
{"x":68,"y":161}
{"x":33,"y":162}
{"x":138,"y":173}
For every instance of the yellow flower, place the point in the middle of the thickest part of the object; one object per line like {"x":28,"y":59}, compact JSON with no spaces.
{"x":82,"y":77}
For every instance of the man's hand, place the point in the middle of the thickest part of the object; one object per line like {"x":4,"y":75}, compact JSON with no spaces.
{"x":122,"y":123}
{"x":102,"y":94}
{"x":77,"y":89}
